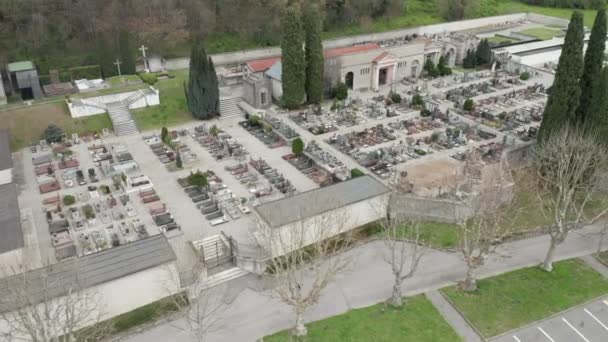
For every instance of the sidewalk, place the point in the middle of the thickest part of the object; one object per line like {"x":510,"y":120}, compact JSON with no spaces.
{"x":453,"y":317}
{"x":254,"y":314}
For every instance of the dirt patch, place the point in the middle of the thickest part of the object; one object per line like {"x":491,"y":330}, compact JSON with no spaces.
{"x":27,"y":124}
{"x":433,"y":175}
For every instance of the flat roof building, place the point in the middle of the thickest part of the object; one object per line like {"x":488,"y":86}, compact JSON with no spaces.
{"x":23,"y":80}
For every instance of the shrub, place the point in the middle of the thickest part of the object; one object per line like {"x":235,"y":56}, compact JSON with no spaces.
{"x":53,"y":134}
{"x":468,"y":105}
{"x":148,"y":78}
{"x":69,"y":200}
{"x":354,"y":173}
{"x":197,"y":179}
{"x":254,"y":120}
{"x":164,"y":135}
{"x":341,"y":92}
{"x":396,"y":98}
{"x":297,"y":146}
{"x":425,"y":113}
{"x":90,"y":72}
{"x":524,"y":76}
{"x":417,"y":100}
{"x":178,"y":161}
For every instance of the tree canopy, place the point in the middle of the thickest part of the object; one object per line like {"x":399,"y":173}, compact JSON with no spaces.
{"x":314,"y":54}
{"x":293,"y":75}
{"x":202,"y":90}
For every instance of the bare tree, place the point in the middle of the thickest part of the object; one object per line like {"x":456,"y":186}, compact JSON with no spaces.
{"x":400,"y":236}
{"x":306,"y":257}
{"x":493,"y":214}
{"x":568,"y":166}
{"x":49,"y":305}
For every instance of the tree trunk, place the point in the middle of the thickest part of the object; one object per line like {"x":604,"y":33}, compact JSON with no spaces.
{"x":300,"y":329}
{"x":548,"y":263}
{"x":396,"y":299}
{"x":470,"y":283}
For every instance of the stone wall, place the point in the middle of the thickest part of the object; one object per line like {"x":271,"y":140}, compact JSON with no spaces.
{"x":96,"y":105}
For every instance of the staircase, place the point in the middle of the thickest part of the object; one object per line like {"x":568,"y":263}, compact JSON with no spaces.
{"x":215,"y":250}
{"x":222,"y":277}
{"x":121,"y":118}
{"x":229,"y":107}
{"x":133,"y":98}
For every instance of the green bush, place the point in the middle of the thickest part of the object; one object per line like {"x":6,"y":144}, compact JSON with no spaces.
{"x":53,"y":134}
{"x":417,"y":101}
{"x":148,"y":78}
{"x":468,"y":105}
{"x":69,"y":200}
{"x":341,"y":92}
{"x":90,"y":72}
{"x":197,"y":179}
{"x":297,"y":146}
{"x":396,"y":98}
{"x":524,"y":76}
{"x":354,"y":173}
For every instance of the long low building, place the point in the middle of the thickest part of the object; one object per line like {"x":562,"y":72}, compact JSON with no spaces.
{"x":297,"y":221}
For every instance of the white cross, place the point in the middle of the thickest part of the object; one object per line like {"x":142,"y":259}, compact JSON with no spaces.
{"x":118,"y":63}
{"x":143,"y":49}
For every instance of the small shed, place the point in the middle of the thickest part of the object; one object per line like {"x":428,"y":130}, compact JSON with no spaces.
{"x":23,"y":80}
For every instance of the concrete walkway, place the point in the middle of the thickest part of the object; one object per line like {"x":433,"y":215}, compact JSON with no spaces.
{"x":596,"y":265}
{"x":453,"y":317}
{"x":253,"y":315}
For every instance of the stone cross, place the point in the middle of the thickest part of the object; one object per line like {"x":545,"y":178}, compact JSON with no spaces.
{"x":118,"y":63}
{"x":143,"y":49}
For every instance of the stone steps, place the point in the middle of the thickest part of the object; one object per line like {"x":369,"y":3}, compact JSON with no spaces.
{"x":122,"y":120}
{"x":214,"y":248}
{"x":229,"y":107}
{"x":222,"y":277}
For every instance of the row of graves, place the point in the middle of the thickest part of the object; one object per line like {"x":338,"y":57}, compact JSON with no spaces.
{"x":460,"y":94}
{"x":99,"y":212}
{"x":212,"y":198}
{"x":519,"y":112}
{"x":168,"y":151}
{"x":263,"y":131}
{"x":274,"y":180}
{"x":319,"y":165}
{"x":220,"y":144}
{"x":350,"y":113}
{"x":281,"y":128}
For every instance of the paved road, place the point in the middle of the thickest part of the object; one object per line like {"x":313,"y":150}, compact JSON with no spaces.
{"x":254,"y":314}
{"x":587,"y":323}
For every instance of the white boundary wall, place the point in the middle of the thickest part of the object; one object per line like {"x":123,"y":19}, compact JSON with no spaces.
{"x":248,"y":55}
{"x":96,"y":105}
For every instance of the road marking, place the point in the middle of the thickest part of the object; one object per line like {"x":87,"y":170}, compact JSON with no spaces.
{"x":516,"y":339}
{"x":596,"y":319}
{"x":576,"y":331}
{"x":605,"y":302}
{"x":546,"y":335}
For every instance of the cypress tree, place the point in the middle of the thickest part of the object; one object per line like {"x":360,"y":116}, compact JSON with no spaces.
{"x":127,"y":53}
{"x":105,"y":57}
{"x":597,"y":118}
{"x":565,"y":91}
{"x":314,"y":55}
{"x":591,"y":78}
{"x":483,"y":53}
{"x":202,"y":91}
{"x":293,"y":64}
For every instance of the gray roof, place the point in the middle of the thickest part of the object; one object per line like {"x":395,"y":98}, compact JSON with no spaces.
{"x":275,"y":71}
{"x":314,"y":202}
{"x":11,"y":235}
{"x":87,"y":271}
{"x":6,"y":159}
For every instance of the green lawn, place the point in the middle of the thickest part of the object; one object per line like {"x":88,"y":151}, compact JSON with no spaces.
{"x":514,"y":6}
{"x":514,"y":299}
{"x":436,"y":234}
{"x":502,"y":39}
{"x":541,"y":33}
{"x":172,"y":109}
{"x":418,"y":320}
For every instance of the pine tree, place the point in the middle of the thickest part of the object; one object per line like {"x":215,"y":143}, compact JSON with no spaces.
{"x":591,"y":78}
{"x":127,"y":53}
{"x":430,"y":69}
{"x":483,"y":54}
{"x":314,"y":55}
{"x":565,"y":91}
{"x":202,"y":91}
{"x":293,"y":64}
{"x":597,"y":118}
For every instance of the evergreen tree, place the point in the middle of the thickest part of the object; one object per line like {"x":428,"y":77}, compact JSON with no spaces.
{"x":565,"y":91}
{"x":293,"y":64}
{"x":470,"y":60}
{"x":430,"y":69}
{"x":597,"y":118}
{"x":202,"y":90}
{"x":442,"y":68}
{"x":105,"y":56}
{"x":314,"y":55}
{"x":591,"y":78}
{"x":127,"y":53}
{"x":483,"y":54}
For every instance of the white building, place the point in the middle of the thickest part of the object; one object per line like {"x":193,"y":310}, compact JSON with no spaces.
{"x":2,"y":92}
{"x":294,"y":222}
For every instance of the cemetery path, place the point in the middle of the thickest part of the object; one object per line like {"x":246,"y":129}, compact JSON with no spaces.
{"x":253,"y":315}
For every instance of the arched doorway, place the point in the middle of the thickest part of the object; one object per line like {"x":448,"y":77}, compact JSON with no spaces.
{"x":450,"y":57}
{"x":349,"y":80}
{"x":415,"y":68}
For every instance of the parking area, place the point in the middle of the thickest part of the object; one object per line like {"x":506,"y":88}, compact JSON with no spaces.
{"x":588,"y":323}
